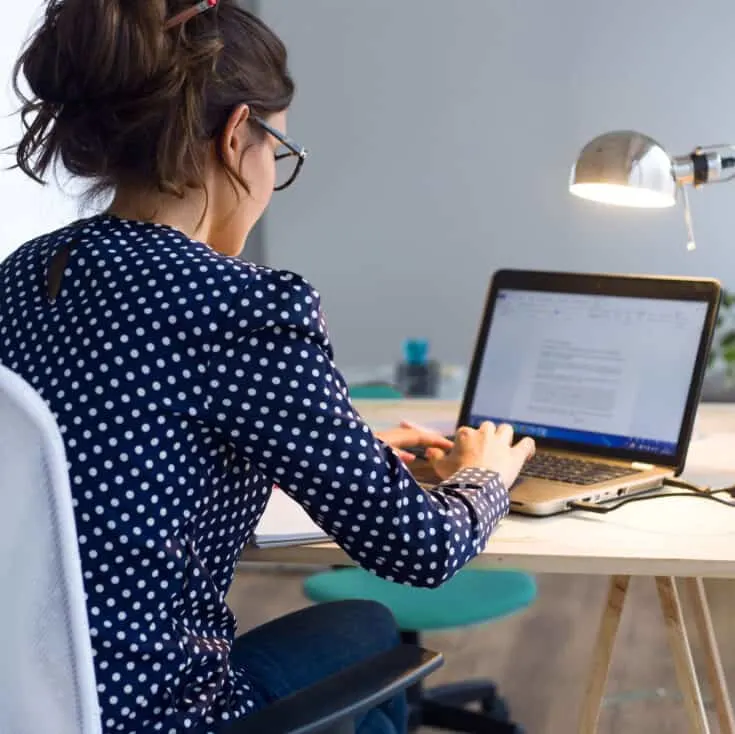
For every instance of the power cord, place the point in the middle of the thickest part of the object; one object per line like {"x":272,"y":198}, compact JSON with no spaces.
{"x":693,"y":490}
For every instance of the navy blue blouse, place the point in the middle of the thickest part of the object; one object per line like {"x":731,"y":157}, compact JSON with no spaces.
{"x":186,"y":384}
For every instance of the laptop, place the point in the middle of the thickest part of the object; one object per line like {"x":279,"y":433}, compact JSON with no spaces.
{"x":603,"y":371}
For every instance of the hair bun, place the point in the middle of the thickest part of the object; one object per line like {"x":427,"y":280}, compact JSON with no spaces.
{"x":87,"y":50}
{"x":118,"y":99}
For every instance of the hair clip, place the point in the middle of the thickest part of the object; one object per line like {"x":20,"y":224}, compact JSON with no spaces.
{"x":189,"y":13}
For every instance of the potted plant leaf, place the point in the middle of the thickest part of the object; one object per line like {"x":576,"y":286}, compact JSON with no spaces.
{"x":719,"y":382}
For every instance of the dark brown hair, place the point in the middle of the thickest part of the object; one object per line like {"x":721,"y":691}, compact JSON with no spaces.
{"x":119,"y":100}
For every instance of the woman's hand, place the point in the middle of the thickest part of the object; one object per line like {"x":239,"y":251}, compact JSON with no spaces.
{"x":407,"y":435}
{"x":484,"y":448}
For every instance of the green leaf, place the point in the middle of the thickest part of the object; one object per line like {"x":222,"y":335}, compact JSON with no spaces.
{"x":729,"y":354}
{"x":727,"y":340}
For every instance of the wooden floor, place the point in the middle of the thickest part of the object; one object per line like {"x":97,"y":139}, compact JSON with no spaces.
{"x":539,"y":658}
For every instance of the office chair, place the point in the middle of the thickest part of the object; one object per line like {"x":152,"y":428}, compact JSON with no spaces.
{"x":332,"y":705}
{"x":471,"y":597}
{"x":47,"y":680}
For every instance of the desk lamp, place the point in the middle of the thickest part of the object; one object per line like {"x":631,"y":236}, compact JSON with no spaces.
{"x":626,"y":168}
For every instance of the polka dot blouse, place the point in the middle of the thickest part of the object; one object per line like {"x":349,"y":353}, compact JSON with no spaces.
{"x":186,"y":384}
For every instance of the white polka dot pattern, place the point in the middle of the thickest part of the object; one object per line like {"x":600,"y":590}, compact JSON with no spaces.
{"x":186,"y":385}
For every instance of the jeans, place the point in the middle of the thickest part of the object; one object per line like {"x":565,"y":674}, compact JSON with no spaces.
{"x":294,"y":651}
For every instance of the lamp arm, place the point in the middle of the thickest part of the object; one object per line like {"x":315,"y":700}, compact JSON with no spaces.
{"x":707,"y":164}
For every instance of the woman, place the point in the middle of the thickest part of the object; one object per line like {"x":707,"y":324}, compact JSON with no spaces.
{"x":187,"y":383}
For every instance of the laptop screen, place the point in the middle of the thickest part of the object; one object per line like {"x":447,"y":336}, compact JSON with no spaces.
{"x":590,"y":369}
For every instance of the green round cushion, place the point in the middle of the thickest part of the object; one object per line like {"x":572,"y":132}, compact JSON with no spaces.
{"x":471,"y":596}
{"x":375,"y":391}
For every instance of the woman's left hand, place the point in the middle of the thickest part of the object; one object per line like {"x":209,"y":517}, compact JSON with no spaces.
{"x":407,"y":435}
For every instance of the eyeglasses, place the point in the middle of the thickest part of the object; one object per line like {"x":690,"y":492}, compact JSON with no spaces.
{"x":290,"y":156}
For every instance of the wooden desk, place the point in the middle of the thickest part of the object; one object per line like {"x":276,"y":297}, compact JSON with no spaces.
{"x":676,"y":541}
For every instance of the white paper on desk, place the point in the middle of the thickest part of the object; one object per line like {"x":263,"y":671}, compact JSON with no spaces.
{"x":285,"y":522}
{"x":711,"y":460}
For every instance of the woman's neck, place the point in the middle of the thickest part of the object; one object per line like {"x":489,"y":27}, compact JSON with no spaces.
{"x":187,"y":214}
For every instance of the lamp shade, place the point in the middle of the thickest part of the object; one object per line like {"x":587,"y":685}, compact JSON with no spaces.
{"x":624,"y":168}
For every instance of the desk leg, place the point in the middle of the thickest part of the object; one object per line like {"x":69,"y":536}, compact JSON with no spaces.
{"x":682,"y":654}
{"x":602,"y":655}
{"x":715,"y":672}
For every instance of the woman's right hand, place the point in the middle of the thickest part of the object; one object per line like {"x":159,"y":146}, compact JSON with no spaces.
{"x":486,"y":447}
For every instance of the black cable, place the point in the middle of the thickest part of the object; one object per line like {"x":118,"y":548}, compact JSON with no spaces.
{"x":681,"y":484}
{"x":693,"y":491}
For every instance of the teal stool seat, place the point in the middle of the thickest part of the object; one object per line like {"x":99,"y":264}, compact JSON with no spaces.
{"x":472,"y":596}
{"x":375,"y":391}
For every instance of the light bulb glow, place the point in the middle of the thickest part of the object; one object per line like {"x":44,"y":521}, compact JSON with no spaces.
{"x":620,"y":195}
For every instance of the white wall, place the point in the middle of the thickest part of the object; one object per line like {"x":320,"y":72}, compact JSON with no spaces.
{"x":442,"y":134}
{"x":26,"y":208}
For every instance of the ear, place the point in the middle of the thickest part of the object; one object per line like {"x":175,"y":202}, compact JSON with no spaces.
{"x":234,"y":135}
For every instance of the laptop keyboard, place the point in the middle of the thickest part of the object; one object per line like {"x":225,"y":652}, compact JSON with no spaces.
{"x":564,"y":469}
{"x":573,"y":471}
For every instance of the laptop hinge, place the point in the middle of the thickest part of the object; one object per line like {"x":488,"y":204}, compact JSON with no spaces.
{"x":641,"y":466}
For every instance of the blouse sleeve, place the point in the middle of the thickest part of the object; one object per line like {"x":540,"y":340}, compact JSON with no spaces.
{"x":278,"y":398}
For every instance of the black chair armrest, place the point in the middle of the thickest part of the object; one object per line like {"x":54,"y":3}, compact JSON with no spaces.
{"x":342,"y":697}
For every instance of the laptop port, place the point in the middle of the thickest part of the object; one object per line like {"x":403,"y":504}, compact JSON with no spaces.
{"x":621,"y":491}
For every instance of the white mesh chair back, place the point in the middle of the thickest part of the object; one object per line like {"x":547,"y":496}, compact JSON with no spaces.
{"x":47,"y":681}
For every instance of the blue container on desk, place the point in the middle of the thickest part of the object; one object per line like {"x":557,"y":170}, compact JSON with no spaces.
{"x":417,"y":376}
